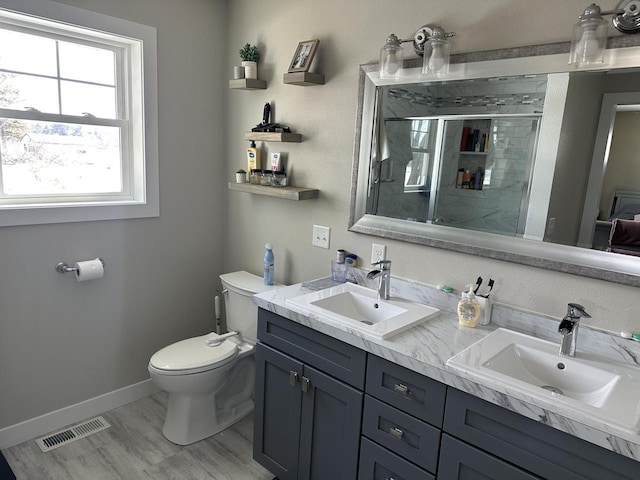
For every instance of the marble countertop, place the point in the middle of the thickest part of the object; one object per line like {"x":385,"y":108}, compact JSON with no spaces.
{"x":427,"y":347}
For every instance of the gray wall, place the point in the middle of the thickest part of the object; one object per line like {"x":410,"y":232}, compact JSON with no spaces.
{"x":62,"y":342}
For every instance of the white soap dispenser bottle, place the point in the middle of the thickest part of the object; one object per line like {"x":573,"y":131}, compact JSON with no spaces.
{"x":468,"y":309}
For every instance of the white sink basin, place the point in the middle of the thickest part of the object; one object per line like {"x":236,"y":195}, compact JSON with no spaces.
{"x":597,"y":388}
{"x":358,"y":308}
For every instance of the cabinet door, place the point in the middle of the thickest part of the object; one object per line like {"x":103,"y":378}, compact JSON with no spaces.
{"x":330,"y":428}
{"x":278,"y":400}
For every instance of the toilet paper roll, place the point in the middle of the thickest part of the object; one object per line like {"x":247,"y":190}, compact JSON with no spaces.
{"x":89,"y":270}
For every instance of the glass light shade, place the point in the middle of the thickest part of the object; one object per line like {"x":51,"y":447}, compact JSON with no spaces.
{"x":391,"y":57}
{"x":589,"y":39}
{"x":436,"y":57}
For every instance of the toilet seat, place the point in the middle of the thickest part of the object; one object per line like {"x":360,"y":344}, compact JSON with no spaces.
{"x":193,"y":355}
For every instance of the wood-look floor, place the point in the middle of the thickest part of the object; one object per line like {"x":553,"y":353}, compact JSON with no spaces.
{"x":134,"y":448}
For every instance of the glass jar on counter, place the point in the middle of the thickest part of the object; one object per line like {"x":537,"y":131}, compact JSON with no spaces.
{"x":265,"y":178}
{"x":279,"y":179}
{"x":254,"y":176}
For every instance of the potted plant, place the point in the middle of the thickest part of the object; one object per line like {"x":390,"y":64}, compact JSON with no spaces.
{"x":250,"y":56}
{"x":241,"y":176}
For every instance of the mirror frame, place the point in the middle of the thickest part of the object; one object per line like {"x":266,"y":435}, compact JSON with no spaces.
{"x":622,"y":52}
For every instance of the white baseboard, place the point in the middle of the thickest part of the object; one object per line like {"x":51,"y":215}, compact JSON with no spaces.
{"x":58,"y":419}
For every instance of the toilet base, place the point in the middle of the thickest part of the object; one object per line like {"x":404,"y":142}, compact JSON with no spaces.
{"x":192,"y":417}
{"x":180,"y":429}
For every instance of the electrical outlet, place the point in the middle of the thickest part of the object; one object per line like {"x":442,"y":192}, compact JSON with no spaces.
{"x":378,"y":252}
{"x":321,"y":236}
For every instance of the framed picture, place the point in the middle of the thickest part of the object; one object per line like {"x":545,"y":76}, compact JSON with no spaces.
{"x":304,"y":56}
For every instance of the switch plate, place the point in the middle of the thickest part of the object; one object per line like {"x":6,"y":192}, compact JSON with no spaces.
{"x":321,"y":236}
{"x":378,"y":252}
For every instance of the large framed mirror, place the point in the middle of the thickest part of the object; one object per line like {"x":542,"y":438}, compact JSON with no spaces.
{"x":514,"y":155}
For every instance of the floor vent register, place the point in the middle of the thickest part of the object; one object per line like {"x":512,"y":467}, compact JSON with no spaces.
{"x":71,"y":434}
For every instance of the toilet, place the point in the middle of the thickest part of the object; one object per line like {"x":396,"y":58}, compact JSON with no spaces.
{"x":210,"y":378}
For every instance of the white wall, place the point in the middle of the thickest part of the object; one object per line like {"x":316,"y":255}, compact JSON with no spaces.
{"x":351,"y":32}
{"x":62,"y":342}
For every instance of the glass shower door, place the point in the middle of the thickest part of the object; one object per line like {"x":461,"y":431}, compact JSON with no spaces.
{"x":485,"y":173}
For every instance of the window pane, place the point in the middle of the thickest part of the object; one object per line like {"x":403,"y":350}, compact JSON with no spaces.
{"x":40,"y":158}
{"x":81,"y":98}
{"x":24,"y":91}
{"x":26,"y":53}
{"x":89,"y":64}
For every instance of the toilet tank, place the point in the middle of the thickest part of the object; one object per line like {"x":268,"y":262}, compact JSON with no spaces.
{"x":241,"y":313}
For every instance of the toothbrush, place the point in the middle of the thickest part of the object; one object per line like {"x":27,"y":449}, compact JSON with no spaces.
{"x":490,"y":285}
{"x":631,"y":336}
{"x":478,"y":283}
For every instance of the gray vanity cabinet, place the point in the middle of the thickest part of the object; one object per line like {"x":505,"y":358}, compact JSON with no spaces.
{"x":317,"y":418}
{"x":308,"y":404}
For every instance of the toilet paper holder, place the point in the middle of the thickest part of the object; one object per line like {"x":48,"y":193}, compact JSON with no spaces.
{"x":63,"y":267}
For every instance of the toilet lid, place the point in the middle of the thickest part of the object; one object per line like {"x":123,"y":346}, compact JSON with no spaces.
{"x":194,"y":354}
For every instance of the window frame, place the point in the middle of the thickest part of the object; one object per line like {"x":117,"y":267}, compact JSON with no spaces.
{"x":138,"y":46}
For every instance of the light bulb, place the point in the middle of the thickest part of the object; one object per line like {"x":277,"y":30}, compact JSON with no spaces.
{"x":588,"y":48}
{"x":391,"y":63}
{"x":436,"y":59}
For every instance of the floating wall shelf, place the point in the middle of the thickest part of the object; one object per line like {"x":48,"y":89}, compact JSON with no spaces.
{"x":287,"y":193}
{"x":273,"y":137}
{"x":248,"y":84}
{"x":303,"y":78}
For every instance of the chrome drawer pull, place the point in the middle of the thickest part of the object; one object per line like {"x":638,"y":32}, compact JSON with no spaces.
{"x":305,"y":384}
{"x":293,"y":378}
{"x":401,"y":389}
{"x":395,"y":432}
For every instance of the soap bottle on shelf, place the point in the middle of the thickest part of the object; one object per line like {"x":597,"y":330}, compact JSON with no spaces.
{"x":268,"y":264}
{"x":468,"y":309}
{"x":253,"y":157}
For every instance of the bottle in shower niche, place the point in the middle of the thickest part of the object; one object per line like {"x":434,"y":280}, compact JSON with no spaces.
{"x":268,"y":264}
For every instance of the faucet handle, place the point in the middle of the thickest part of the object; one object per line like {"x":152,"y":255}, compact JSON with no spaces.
{"x":575,"y":310}
{"x":384,"y":264}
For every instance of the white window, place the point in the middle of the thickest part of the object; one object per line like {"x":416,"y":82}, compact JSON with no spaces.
{"x":78,"y":115}
{"x":418,"y":170}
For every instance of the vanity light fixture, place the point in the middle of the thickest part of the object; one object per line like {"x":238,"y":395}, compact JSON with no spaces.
{"x":391,"y":57}
{"x":428,"y":42}
{"x":590,"y":33}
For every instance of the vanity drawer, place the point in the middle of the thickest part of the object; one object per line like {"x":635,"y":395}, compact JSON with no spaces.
{"x":401,"y":433}
{"x":536,"y":447}
{"x":378,"y":463}
{"x":333,"y":357}
{"x":461,"y":461}
{"x":408,"y":391}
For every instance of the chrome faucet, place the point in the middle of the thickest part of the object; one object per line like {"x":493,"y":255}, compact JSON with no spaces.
{"x":384,"y":274}
{"x":569,"y":329}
